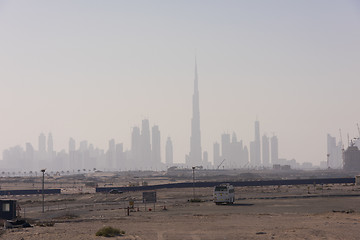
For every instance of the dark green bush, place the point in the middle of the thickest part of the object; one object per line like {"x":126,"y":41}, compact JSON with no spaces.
{"x":109,"y":232}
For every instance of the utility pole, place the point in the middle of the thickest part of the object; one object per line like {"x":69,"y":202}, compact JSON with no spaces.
{"x":43,"y":196}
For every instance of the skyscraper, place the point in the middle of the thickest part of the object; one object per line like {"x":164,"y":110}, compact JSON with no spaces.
{"x":195,"y":156}
{"x":274,"y":150}
{"x":72,"y":154}
{"x":42,"y":155}
{"x":72,"y":145}
{"x":257,"y":143}
{"x":111,"y":155}
{"x":334,"y":152}
{"x":145,"y":145}
{"x":265,"y":151}
{"x":169,"y":153}
{"x":42,"y":143}
{"x":135,"y":147}
{"x":155,"y":144}
{"x":225,"y":146}
{"x":255,"y":148}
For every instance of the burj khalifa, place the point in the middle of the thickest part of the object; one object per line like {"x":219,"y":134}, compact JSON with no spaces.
{"x":195,"y":156}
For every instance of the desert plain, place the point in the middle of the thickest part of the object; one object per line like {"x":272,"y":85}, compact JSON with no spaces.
{"x":266,"y":212}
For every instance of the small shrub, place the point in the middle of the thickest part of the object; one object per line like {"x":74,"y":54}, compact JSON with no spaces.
{"x":109,"y":232}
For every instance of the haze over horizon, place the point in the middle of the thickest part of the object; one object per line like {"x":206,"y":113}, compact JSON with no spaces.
{"x":92,"y":70}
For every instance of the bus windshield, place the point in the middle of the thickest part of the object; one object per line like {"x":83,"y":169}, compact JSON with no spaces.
{"x":220,"y":188}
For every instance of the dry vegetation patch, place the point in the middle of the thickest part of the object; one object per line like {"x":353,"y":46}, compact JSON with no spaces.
{"x":109,"y":232}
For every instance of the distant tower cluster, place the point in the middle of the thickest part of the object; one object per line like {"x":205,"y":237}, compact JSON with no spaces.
{"x":145,"y":154}
{"x":234,"y":154}
{"x":145,"y":149}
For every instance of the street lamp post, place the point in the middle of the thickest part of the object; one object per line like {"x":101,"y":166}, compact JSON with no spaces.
{"x":193,"y":171}
{"x":43,"y":196}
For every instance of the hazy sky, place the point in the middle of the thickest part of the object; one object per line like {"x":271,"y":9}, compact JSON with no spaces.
{"x":94,"y":69}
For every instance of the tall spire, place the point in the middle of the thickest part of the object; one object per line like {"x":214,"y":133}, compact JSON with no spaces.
{"x":195,"y":156}
{"x":196,"y":87}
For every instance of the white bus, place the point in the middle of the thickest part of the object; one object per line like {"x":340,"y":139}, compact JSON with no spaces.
{"x":224,"y":193}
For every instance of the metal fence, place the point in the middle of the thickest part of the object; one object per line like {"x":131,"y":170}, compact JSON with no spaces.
{"x":29,"y":192}
{"x":237,"y":184}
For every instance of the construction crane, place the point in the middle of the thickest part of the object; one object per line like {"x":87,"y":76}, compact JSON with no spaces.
{"x":220,"y":164}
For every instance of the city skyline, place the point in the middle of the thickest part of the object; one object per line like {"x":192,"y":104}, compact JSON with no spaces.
{"x":145,"y":154}
{"x":94,"y":73}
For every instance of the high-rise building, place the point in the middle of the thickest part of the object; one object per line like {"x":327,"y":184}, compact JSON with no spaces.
{"x":72,"y":145}
{"x":252,"y":153}
{"x":41,"y":155}
{"x":334,"y":153}
{"x":274,"y":150}
{"x":352,"y":158}
{"x":265,"y":151}
{"x":111,"y":155}
{"x":145,"y":145}
{"x":236,"y":151}
{"x":42,"y":143}
{"x":135,"y":147}
{"x":246,"y":156}
{"x":50,"y":144}
{"x":72,"y":154}
{"x":155,"y":143}
{"x":225,"y":148}
{"x":195,"y":155}
{"x":83,"y":155}
{"x":83,"y":146}
{"x":256,"y":159}
{"x":169,"y":153}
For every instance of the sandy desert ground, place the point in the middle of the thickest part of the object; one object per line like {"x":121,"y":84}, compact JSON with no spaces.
{"x":286,"y":212}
